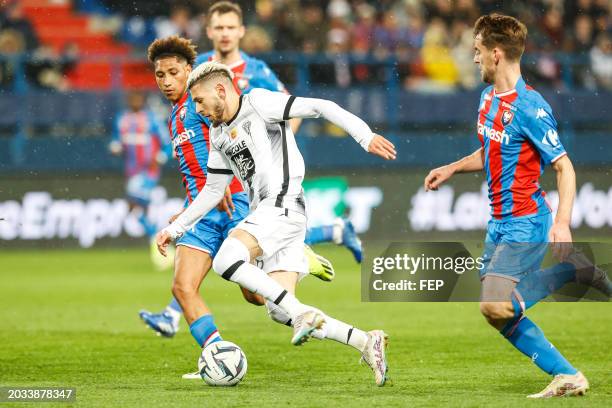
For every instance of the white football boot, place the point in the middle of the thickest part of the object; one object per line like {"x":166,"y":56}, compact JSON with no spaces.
{"x":304,"y":325}
{"x":374,"y":354}
{"x":564,"y":385}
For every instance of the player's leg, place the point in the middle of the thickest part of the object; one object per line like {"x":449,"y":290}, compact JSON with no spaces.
{"x":507,"y":317}
{"x":341,"y":232}
{"x":371,"y":345}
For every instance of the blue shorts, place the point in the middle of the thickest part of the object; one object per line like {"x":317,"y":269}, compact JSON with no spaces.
{"x":210,"y":232}
{"x":139,"y":187}
{"x":515,"y":247}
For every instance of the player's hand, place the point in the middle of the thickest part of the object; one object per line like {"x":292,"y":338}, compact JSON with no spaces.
{"x":163,"y":239}
{"x":437,"y":176}
{"x":175,"y":216}
{"x":227,"y":204}
{"x":382,"y":147}
{"x":560,"y":237}
{"x":115,"y":148}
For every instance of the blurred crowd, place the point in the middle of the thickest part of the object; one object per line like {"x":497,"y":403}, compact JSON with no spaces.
{"x":44,"y":67}
{"x":430,"y":39}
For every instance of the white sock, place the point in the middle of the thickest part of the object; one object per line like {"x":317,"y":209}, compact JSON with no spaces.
{"x":343,"y":333}
{"x":174,"y":314}
{"x":337,"y":229}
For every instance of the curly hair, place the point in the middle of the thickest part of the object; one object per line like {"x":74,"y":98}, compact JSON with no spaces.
{"x":176,"y":46}
{"x":505,"y":32}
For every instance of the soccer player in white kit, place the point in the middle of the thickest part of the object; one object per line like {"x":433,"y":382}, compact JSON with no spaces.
{"x":250,"y":138}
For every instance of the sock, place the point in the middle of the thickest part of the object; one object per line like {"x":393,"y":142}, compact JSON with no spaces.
{"x":343,"y":333}
{"x":149,"y":228}
{"x":204,"y":331}
{"x":316,"y":235}
{"x":539,"y":284}
{"x":257,"y":281}
{"x":530,"y":340}
{"x":174,"y":310}
{"x":232,"y":264}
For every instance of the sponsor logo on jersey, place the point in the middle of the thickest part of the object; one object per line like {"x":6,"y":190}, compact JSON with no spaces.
{"x":492,"y":134}
{"x":182,"y":137}
{"x":541,"y":113}
{"x":243,"y":159}
{"x":507,"y":117}
{"x":507,"y":105}
{"x":551,"y":138}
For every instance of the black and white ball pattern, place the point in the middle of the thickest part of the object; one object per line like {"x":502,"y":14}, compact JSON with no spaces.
{"x":222,"y":363}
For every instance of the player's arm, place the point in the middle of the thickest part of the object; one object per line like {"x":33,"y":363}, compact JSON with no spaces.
{"x":219,"y":177}
{"x":473,"y":162}
{"x":566,"y":185}
{"x":279,"y":106}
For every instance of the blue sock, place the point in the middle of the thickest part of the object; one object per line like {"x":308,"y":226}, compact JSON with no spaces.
{"x":204,"y":331}
{"x":530,"y":340}
{"x":149,"y":228}
{"x":539,"y":284}
{"x":174,"y":305}
{"x":323,"y":233}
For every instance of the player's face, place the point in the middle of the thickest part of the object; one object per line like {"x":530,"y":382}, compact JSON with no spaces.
{"x":210,"y":101}
{"x":485,"y":59}
{"x":225,"y":31}
{"x":136,"y":101}
{"x":171,"y":74}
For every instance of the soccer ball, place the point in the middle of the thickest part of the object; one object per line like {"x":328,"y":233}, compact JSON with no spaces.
{"x":222,"y":363}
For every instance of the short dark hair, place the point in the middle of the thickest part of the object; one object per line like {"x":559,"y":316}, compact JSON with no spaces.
{"x":224,"y":7}
{"x":505,"y":32}
{"x":176,"y":46}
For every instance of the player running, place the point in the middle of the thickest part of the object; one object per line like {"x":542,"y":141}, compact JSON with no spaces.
{"x":173,"y":58}
{"x":225,"y":29}
{"x":519,"y":137}
{"x":145,"y":146}
{"x":251,"y":139}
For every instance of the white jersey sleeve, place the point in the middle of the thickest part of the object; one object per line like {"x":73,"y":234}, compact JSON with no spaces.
{"x":219,"y":177}
{"x":277,"y":106}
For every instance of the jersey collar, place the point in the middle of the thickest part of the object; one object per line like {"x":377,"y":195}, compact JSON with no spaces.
{"x":181,"y":101}
{"x":229,"y":122}
{"x":520,"y":84}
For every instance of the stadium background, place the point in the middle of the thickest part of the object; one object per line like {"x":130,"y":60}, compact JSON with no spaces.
{"x":69,"y":316}
{"x":404,"y":66}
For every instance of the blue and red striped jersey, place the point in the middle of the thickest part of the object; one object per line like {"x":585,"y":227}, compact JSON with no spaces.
{"x":141,"y":138}
{"x":249,"y":73}
{"x":191,"y":144}
{"x":519,"y":135}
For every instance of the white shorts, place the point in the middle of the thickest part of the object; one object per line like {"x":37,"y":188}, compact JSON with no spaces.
{"x":280,"y":233}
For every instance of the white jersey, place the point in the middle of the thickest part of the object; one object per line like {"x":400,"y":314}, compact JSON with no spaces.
{"x":259,"y":147}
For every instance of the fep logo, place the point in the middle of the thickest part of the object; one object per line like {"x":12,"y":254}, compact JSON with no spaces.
{"x":551,"y":138}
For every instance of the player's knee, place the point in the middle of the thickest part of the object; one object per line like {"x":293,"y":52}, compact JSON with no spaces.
{"x":232,"y":253}
{"x":497,"y":313}
{"x":253,"y":298}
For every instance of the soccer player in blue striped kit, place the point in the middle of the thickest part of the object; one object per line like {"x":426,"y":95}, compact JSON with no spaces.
{"x":519,"y":137}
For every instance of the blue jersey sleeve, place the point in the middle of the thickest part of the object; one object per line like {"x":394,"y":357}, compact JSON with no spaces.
{"x":540,"y":127}
{"x":266,"y":79}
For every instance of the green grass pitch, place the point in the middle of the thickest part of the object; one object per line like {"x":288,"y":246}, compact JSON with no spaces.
{"x":69,"y":318}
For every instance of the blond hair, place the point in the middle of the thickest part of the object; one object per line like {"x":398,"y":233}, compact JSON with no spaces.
{"x":207,"y":70}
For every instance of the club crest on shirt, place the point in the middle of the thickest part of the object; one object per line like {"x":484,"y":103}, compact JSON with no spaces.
{"x":247,"y":127}
{"x":507,"y":117}
{"x":242,"y":83}
{"x":183,"y":112}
